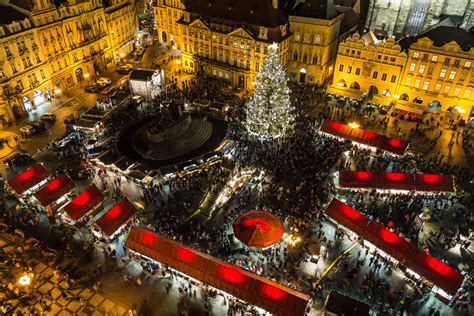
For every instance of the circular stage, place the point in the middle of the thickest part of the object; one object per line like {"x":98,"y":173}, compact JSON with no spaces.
{"x":171,"y":138}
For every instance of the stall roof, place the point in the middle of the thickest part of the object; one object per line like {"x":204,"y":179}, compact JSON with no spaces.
{"x":392,"y":145}
{"x":54,"y":190}
{"x":340,"y":304}
{"x":417,"y":260}
{"x":396,"y":181}
{"x":86,"y":123}
{"x":247,"y":286}
{"x":84,"y":202}
{"x":28,"y":179}
{"x":118,"y":215}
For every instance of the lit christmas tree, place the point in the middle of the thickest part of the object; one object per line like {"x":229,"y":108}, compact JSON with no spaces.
{"x":269,"y":114}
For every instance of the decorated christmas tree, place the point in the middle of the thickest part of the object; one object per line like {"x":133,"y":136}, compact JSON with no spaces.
{"x":269,"y":114}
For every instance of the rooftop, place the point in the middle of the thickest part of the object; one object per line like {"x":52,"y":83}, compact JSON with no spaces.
{"x":441,"y":35}
{"x":252,"y":12}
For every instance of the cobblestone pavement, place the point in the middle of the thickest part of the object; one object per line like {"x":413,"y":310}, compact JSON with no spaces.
{"x":46,"y":286}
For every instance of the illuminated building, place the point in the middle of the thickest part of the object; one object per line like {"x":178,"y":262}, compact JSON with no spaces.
{"x":434,"y":75}
{"x":439,"y":74}
{"x":316,"y":34}
{"x":227,"y":39}
{"x":366,"y":65}
{"x":230,"y":39}
{"x":122,"y":23}
{"x":46,"y":49}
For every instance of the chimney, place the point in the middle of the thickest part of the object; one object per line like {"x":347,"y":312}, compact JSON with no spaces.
{"x":275,"y":4}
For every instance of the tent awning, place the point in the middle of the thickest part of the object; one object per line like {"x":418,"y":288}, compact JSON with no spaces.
{"x":84,"y":202}
{"x":396,"y":181}
{"x":392,"y":145}
{"x":247,"y":286}
{"x":258,"y":229}
{"x":415,"y":259}
{"x":28,"y":179}
{"x":114,"y":218}
{"x":54,"y":190}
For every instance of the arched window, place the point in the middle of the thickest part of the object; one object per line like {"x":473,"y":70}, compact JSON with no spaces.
{"x":386,"y":92}
{"x":355,"y":86}
{"x":295,"y":56}
{"x":305,"y":58}
{"x":404,"y":97}
{"x":315,"y":60}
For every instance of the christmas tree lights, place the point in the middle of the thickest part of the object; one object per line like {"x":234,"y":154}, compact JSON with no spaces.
{"x":268,"y":111}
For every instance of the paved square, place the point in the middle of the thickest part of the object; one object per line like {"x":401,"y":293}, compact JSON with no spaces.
{"x":96,"y":300}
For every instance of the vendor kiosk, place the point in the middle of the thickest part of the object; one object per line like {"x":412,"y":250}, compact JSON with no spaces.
{"x":112,"y":224}
{"x":29,"y":181}
{"x":87,"y":203}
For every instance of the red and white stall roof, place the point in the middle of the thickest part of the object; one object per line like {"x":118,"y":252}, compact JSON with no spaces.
{"x":269,"y":295}
{"x":392,"y":145}
{"x":55,"y":189}
{"x":84,"y":202}
{"x":114,"y":218}
{"x":396,"y":181}
{"x":29,"y":178}
{"x":415,"y":259}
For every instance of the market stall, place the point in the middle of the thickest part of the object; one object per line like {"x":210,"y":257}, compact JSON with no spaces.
{"x":258,"y":229}
{"x":391,"y":145}
{"x":29,"y":180}
{"x":85,"y":203}
{"x":111,"y":224}
{"x":244,"y":285}
{"x":55,"y":191}
{"x":396,"y":181}
{"x":447,"y":281}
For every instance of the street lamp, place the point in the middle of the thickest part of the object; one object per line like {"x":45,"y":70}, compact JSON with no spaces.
{"x":25,"y":279}
{"x":353,"y":125}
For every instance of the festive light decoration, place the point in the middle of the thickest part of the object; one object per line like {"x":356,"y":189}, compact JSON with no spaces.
{"x":269,"y":110}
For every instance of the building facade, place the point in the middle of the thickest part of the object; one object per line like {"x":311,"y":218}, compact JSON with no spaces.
{"x":316,"y":34}
{"x":23,"y":66}
{"x":365,"y":66}
{"x":225,"y":38}
{"x":122,"y":24}
{"x":439,"y":73}
{"x":433,"y":74}
{"x":46,"y":49}
{"x":230,"y":39}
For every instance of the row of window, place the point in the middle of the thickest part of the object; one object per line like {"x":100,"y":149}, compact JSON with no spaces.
{"x":375,"y":74}
{"x":447,"y":60}
{"x":437,"y":87}
{"x":308,"y":38}
{"x":304,"y":58}
{"x":442,"y":73}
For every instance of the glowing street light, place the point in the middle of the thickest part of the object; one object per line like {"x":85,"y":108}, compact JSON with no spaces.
{"x":396,"y":97}
{"x":354,"y":125}
{"x":25,"y":279}
{"x":178,"y":62}
{"x":57,"y":90}
{"x":340,"y":84}
{"x":86,"y":75}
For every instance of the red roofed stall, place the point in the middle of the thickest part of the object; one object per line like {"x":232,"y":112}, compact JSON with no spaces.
{"x":54,"y":190}
{"x":415,"y":259}
{"x":84,"y":202}
{"x":392,"y":145}
{"x":396,"y":181}
{"x":434,"y":182}
{"x":29,"y":179}
{"x":112,"y":220}
{"x":242,"y":284}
